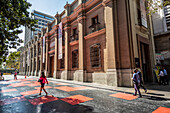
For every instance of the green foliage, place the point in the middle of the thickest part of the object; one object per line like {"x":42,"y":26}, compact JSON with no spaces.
{"x":13,"y":60}
{"x":154,"y":5}
{"x":13,"y":15}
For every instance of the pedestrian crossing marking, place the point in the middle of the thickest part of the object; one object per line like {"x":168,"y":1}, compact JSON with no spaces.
{"x":29,"y":92}
{"x":162,"y":110}
{"x":76,"y":99}
{"x":12,"y":100}
{"x":124,"y":96}
{"x":42,"y":100}
{"x":8,"y":90}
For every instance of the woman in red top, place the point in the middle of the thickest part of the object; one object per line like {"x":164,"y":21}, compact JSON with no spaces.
{"x":43,"y":79}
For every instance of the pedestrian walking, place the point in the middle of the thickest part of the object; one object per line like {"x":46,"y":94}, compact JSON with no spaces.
{"x":141,"y":81}
{"x":165,"y":76}
{"x":43,"y":80}
{"x":15,"y":75}
{"x":161,"y":74}
{"x":136,"y":80}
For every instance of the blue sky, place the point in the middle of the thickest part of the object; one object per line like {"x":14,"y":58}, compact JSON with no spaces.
{"x":45,"y":6}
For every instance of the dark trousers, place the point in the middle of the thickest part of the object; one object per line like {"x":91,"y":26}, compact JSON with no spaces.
{"x":166,"y":79}
{"x":137,"y":89}
{"x":162,"y":80}
{"x":141,"y":85}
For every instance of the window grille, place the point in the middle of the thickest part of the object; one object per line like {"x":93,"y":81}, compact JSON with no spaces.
{"x":95,"y":55}
{"x":75,"y":59}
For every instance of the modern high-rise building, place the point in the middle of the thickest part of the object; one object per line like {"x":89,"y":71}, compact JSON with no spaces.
{"x":43,"y":19}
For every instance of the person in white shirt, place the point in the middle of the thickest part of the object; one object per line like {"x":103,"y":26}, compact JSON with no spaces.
{"x":161,"y":74}
{"x":136,"y":80}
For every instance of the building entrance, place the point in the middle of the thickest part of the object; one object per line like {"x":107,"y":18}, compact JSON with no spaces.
{"x":145,"y":62}
{"x":51,"y":66}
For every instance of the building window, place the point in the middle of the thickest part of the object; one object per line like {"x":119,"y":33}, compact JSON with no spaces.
{"x":75,"y":35}
{"x":75,"y":59}
{"x":95,"y":55}
{"x":95,"y":24}
{"x":94,"y":20}
{"x":62,"y":62}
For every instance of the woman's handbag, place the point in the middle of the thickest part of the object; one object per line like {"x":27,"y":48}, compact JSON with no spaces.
{"x":39,"y":80}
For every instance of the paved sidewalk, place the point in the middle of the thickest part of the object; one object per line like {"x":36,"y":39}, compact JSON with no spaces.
{"x":153,"y":90}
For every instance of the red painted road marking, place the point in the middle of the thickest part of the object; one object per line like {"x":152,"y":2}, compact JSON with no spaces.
{"x":42,"y":100}
{"x":8,"y":90}
{"x":12,"y":100}
{"x":65,"y":88}
{"x":76,"y":99}
{"x":46,"y":87}
{"x":29,"y":92}
{"x":68,"y":89}
{"x":162,"y":110}
{"x":62,"y":84}
{"x":124,"y":96}
{"x":31,"y":85}
{"x":17,"y":85}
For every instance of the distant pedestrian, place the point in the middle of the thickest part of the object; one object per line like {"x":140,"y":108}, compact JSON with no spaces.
{"x":141,"y":81}
{"x":165,"y":76}
{"x":15,"y":75}
{"x":43,"y":80}
{"x":136,"y":80}
{"x":161,"y":74}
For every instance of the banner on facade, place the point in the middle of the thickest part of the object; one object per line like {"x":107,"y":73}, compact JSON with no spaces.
{"x":28,"y":57}
{"x":44,"y":49}
{"x":60,"y":41}
{"x":143,"y":13}
{"x":23,"y":60}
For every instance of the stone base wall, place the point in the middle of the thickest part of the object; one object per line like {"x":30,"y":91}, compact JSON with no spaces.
{"x":79,"y":75}
{"x":124,"y":77}
{"x":99,"y":78}
{"x":64,"y":75}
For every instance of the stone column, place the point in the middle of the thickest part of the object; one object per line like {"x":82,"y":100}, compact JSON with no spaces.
{"x":47,"y":66}
{"x":55,"y":57}
{"x":79,"y":75}
{"x":37,"y":60}
{"x":33,"y":60}
{"x":64,"y":75}
{"x":30,"y":62}
{"x":41,"y":57}
{"x":111,"y":73}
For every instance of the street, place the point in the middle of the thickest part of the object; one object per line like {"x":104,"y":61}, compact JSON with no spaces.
{"x":22,"y":96}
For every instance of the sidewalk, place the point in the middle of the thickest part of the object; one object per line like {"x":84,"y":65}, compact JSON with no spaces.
{"x":154,"y":91}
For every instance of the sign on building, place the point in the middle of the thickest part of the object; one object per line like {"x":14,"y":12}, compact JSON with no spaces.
{"x":143,"y":13}
{"x":60,"y":41}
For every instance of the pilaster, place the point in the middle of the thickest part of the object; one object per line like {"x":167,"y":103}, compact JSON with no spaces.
{"x":55,"y":58}
{"x":111,"y":73}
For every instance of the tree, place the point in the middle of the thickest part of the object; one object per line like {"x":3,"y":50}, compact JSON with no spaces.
{"x":13,"y":15}
{"x":13,"y":60}
{"x":154,"y":5}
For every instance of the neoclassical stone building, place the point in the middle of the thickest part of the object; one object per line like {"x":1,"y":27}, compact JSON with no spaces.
{"x":103,"y":41}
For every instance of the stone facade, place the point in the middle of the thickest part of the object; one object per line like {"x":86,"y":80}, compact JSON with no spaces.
{"x":103,"y":42}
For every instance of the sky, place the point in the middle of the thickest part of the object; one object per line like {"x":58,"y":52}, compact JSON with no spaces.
{"x":49,"y":7}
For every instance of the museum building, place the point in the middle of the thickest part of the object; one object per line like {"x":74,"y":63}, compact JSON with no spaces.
{"x":99,"y":41}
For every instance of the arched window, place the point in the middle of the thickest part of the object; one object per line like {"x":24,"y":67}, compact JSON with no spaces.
{"x":75,"y":59}
{"x":95,"y":55}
